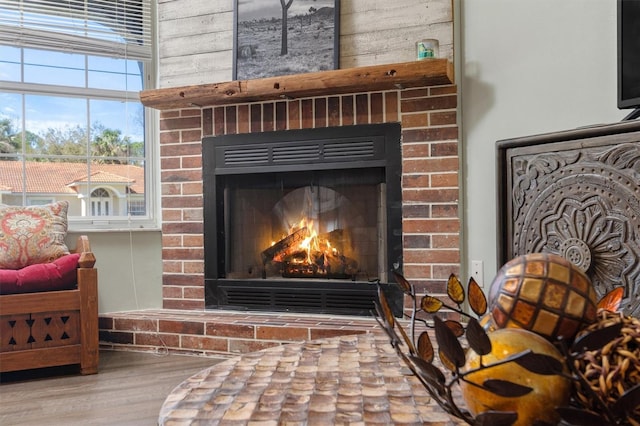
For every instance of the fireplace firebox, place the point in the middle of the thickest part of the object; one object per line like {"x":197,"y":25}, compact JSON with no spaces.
{"x":303,"y":220}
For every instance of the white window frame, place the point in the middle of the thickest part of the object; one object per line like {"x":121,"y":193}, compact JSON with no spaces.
{"x":151,"y":157}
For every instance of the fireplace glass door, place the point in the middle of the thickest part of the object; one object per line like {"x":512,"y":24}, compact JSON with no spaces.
{"x":327,"y":225}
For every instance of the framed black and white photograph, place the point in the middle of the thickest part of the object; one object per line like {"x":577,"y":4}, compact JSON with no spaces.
{"x":282,"y":37}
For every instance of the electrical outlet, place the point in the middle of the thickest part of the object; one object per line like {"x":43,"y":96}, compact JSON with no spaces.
{"x":477,"y":271}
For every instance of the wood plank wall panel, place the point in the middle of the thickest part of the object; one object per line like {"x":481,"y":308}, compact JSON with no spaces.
{"x":195,"y":41}
{"x":377,"y":32}
{"x":196,"y":36}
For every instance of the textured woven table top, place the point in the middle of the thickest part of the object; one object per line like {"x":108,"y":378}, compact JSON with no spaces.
{"x":354,"y":380}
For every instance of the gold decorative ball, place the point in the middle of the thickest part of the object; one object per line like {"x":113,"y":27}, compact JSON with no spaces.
{"x":486,"y":321}
{"x":543,"y":293}
{"x":549,"y":391}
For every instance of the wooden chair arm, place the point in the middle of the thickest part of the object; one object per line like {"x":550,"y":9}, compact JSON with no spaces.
{"x":87,"y":258}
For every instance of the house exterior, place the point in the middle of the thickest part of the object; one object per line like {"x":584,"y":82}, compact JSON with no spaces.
{"x":108,"y":190}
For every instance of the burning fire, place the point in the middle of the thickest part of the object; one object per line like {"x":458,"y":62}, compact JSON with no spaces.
{"x":304,"y":252}
{"x":310,"y":243}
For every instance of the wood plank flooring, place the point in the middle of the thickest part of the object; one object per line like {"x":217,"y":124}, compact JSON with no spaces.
{"x":129,"y":389}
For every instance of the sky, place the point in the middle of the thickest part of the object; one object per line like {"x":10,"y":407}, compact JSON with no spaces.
{"x":43,"y":112}
{"x":255,"y":9}
{"x":60,"y":69}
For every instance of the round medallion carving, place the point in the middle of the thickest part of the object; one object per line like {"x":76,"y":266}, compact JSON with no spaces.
{"x":577,"y":252}
{"x":583,"y":204}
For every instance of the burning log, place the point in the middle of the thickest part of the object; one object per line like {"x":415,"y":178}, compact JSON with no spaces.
{"x":287,"y":246}
{"x":323,"y":265}
{"x":304,"y":254}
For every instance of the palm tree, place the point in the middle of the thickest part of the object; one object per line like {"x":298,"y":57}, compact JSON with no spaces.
{"x":110,"y":143}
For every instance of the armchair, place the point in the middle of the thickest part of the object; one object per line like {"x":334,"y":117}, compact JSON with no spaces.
{"x":48,"y":310}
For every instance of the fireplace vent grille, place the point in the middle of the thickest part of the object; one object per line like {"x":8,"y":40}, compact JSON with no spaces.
{"x":246,"y":156}
{"x":363,"y":149}
{"x":296,"y":153}
{"x":341,"y":299}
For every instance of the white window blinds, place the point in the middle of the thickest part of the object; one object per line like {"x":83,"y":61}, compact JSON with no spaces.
{"x":114,"y":28}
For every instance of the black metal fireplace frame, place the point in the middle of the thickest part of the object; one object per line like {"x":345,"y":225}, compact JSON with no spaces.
{"x":333,"y":148}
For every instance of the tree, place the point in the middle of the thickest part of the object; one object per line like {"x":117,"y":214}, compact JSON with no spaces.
{"x":109,"y":144}
{"x":11,"y":138}
{"x":71,"y":140}
{"x":7,"y":137}
{"x":285,"y":8}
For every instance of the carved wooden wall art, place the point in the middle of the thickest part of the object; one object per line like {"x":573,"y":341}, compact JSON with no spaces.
{"x":577,"y":194}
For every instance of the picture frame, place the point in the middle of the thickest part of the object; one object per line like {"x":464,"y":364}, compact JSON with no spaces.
{"x":274,"y":38}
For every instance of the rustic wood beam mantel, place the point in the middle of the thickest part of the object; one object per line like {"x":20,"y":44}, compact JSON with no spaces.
{"x":429,"y":72}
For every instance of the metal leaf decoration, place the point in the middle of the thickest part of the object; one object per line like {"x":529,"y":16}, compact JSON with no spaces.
{"x":506,"y":388}
{"x":628,"y":402}
{"x":431,"y":373}
{"x":456,"y":327}
{"x":496,"y":418}
{"x":579,"y":417}
{"x":540,"y":363}
{"x":596,"y":339}
{"x":612,"y":300}
{"x":425,"y":347}
{"x":402,"y":281}
{"x":449,"y":343}
{"x":431,"y":304}
{"x":386,"y":319}
{"x":407,"y":340}
{"x":387,"y":313}
{"x":477,"y":299}
{"x":449,"y":365}
{"x":388,"y":329}
{"x":455,"y":290}
{"x":477,"y":337}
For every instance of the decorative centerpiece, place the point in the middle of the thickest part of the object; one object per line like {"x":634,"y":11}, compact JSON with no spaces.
{"x":541,"y":350}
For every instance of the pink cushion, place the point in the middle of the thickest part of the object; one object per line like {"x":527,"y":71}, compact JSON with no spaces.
{"x":61,"y":274}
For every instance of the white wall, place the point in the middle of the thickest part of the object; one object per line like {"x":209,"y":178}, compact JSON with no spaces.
{"x":526,"y":67}
{"x":129,"y":269}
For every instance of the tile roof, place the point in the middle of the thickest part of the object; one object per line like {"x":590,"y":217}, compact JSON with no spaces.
{"x":105,"y":177}
{"x":54,"y":177}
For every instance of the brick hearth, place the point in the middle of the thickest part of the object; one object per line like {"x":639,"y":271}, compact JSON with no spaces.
{"x":216,"y":332}
{"x":430,"y":191}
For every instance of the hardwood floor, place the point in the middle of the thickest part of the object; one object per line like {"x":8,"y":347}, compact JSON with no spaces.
{"x":129,"y":389}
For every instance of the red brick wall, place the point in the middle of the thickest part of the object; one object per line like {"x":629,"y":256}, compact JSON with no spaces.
{"x":430,"y":190}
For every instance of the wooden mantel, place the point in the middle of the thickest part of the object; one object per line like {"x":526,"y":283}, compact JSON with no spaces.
{"x":429,"y":72}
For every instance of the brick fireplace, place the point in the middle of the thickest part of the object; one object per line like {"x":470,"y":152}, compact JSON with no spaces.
{"x":430,"y":194}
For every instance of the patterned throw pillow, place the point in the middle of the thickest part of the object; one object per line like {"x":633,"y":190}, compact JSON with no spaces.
{"x":34,"y":234}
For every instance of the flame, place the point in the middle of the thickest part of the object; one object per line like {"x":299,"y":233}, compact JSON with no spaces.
{"x":311,"y":243}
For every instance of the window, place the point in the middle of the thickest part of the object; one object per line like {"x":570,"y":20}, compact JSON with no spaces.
{"x":36,"y":201}
{"x":136,"y":208}
{"x":100,"y":202}
{"x":71,"y":123}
